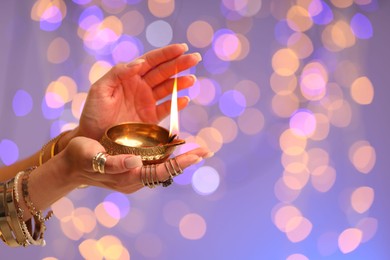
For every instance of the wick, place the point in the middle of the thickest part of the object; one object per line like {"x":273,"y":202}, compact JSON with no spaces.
{"x":172,"y":137}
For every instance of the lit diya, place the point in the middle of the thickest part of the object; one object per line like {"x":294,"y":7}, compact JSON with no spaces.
{"x":152,"y":142}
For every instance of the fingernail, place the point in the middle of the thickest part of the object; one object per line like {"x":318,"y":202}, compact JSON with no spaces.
{"x":198,"y":56}
{"x":198,"y":160}
{"x":133,"y":161}
{"x":185,"y":46}
{"x":135,"y":62}
{"x":208,"y":155}
{"x":188,"y":99}
{"x":193,"y":77}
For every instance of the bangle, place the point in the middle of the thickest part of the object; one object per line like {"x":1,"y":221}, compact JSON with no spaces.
{"x":39,"y":241}
{"x":53,"y":149}
{"x":6,"y":231}
{"x":13,"y":214}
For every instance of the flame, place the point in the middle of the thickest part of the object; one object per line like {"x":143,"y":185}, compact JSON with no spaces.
{"x":174,"y":123}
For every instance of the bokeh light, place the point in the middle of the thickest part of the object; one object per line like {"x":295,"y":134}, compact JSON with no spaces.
{"x":286,"y":97}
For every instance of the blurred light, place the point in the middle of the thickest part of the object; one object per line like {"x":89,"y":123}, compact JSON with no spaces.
{"x":323,"y":178}
{"x":58,"y":51}
{"x":250,"y":90}
{"x":341,"y":114}
{"x":90,"y":16}
{"x":362,"y":155}
{"x":107,"y":214}
{"x":362,"y":199}
{"x":251,"y":121}
{"x":361,"y":26}
{"x":9,"y":151}
{"x":121,"y":201}
{"x":232,"y":103}
{"x":284,"y":193}
{"x":134,"y":222}
{"x":159,"y":33}
{"x":98,"y":70}
{"x":114,"y":6}
{"x":282,"y":214}
{"x":282,"y":32}
{"x":322,"y":127}
{"x":321,"y":12}
{"x":133,"y":23}
{"x":84,"y":220}
{"x":369,"y":227}
{"x":297,"y":257}
{"x":126,"y":49}
{"x":284,"y":105}
{"x":205,"y":180}
{"x":313,"y":81}
{"x":200,"y":33}
{"x":89,"y":249}
{"x":210,"y":138}
{"x":110,"y":247}
{"x":78,"y":104}
{"x":299,"y":19}
{"x":301,"y":44}
{"x":342,"y":3}
{"x":283,"y":85}
{"x":226,"y":45}
{"x":63,"y":208}
{"x":298,"y":229}
{"x":22,"y":103}
{"x":297,"y":178}
{"x":349,"y":240}
{"x":213,"y":64}
{"x":227,"y":127}
{"x":205,"y":91}
{"x":291,"y":143}
{"x":362,"y":91}
{"x":285,"y":62}
{"x":303,"y":123}
{"x":160,"y":8}
{"x":192,"y":226}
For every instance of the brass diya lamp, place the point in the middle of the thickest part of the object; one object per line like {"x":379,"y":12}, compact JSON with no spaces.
{"x":152,"y":142}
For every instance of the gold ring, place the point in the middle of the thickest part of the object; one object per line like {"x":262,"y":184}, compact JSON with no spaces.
{"x":99,"y":162}
{"x":173,"y":167}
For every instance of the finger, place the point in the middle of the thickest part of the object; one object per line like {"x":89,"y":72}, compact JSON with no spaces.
{"x":181,"y":162}
{"x":164,"y":71}
{"x":165,"y":89}
{"x":164,"y":109}
{"x":155,"y":57}
{"x":119,"y":73}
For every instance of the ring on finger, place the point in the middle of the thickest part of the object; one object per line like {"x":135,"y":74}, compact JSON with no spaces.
{"x":99,"y":162}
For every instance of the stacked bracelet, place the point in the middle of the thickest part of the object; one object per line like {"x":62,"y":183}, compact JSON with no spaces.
{"x":14,"y":231}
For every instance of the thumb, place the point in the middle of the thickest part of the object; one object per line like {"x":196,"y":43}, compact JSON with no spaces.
{"x":122,"y":163}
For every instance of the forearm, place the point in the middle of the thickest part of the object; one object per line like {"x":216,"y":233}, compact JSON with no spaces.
{"x":8,"y":172}
{"x":46,"y":184}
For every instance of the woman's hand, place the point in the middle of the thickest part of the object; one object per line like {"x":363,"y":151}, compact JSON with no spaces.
{"x":131,"y":92}
{"x":122,"y":172}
